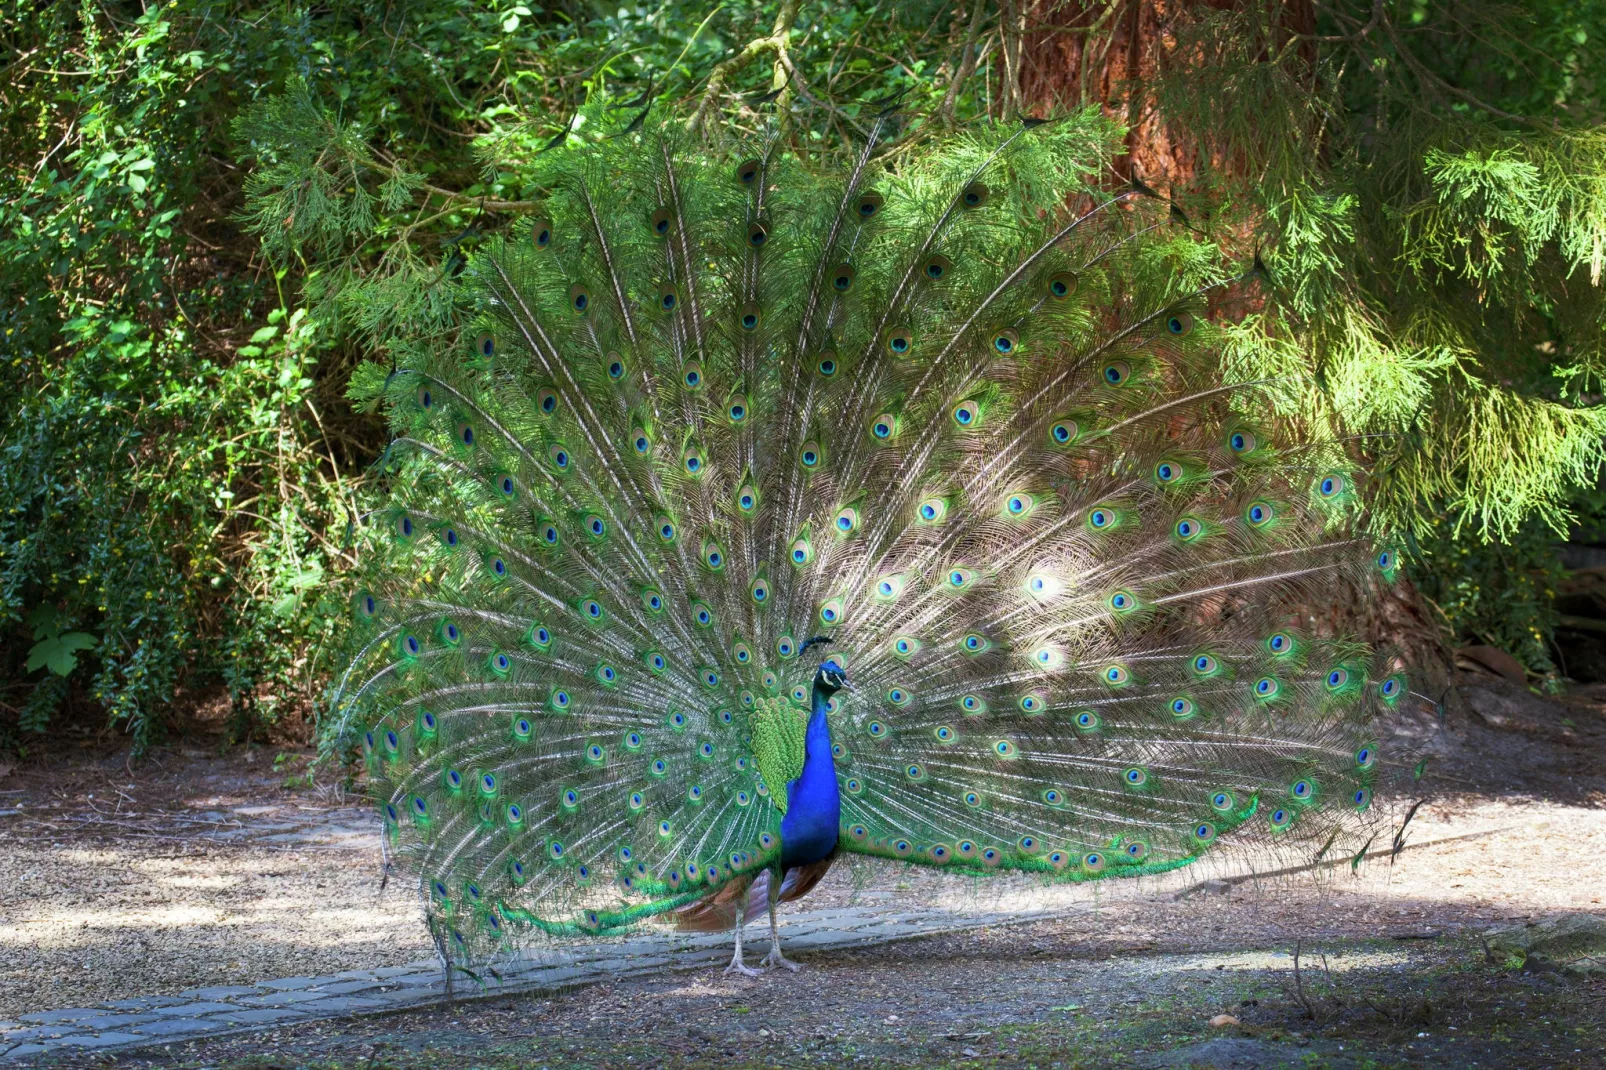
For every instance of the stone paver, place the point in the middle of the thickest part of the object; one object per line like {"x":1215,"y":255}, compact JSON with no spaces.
{"x":221,"y":1009}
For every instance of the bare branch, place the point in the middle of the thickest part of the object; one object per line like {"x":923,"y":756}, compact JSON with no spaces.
{"x":967,"y":64}
{"x":776,"y":42}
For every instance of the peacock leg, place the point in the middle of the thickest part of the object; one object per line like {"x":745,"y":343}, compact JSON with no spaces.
{"x":737,"y":965}
{"x":775,"y":958}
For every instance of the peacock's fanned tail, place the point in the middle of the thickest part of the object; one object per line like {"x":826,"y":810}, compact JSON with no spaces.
{"x":717,"y":403}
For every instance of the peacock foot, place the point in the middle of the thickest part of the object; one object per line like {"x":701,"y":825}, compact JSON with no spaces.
{"x":775,"y":958}
{"x":738,"y":966}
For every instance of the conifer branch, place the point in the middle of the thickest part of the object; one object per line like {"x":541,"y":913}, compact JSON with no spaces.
{"x":489,"y":204}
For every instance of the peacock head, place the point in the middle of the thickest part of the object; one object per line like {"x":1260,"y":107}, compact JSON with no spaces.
{"x":831,"y":676}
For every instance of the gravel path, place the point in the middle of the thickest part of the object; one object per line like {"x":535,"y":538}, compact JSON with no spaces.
{"x":204,"y":870}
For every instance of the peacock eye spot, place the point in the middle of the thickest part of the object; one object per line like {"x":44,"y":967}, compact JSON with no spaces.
{"x":1058,"y":288}
{"x":749,"y":321}
{"x":616,"y":369}
{"x":543,"y":237}
{"x":737,"y":412}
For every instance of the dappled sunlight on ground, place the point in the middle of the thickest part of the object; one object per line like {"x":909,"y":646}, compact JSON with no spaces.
{"x":204,"y":872}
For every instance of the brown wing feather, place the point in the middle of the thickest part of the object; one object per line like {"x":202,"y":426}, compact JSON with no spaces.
{"x":717,"y":912}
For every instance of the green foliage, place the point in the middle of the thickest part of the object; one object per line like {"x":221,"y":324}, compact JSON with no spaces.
{"x":160,"y":500}
{"x":1427,"y":185}
{"x":1498,"y":593}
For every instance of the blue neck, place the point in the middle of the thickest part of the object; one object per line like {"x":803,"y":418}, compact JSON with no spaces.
{"x":813,"y":807}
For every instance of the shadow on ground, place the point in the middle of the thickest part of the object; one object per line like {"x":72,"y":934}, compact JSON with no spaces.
{"x":1392,"y":970}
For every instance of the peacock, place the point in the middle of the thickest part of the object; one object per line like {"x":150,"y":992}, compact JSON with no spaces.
{"x":765,"y":510}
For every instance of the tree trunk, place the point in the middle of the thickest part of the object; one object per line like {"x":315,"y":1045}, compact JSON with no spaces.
{"x":1105,"y":52}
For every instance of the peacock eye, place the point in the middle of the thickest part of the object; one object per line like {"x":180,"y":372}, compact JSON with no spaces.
{"x":1061,"y":285}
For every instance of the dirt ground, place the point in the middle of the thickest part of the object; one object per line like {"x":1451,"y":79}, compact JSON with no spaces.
{"x":199,"y":869}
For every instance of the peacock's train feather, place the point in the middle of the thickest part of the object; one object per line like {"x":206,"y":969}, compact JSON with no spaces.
{"x":718,"y":403}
